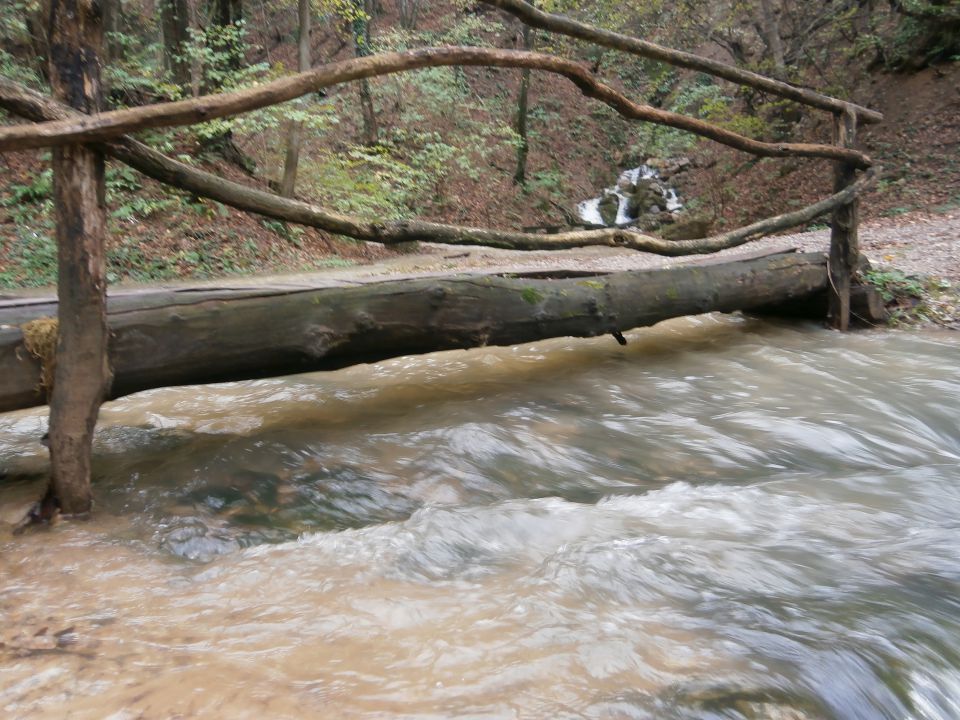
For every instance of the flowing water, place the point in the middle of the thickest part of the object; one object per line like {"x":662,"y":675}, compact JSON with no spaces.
{"x":589,"y":210}
{"x":726,"y":518}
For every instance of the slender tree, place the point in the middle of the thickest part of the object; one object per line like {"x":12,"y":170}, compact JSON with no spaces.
{"x":523,"y":147}
{"x":295,"y":129}
{"x":771,"y":36}
{"x":361,"y":44}
{"x":174,"y":22}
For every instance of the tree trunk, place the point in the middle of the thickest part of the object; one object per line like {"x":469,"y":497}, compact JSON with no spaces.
{"x":771,"y":36}
{"x":295,"y":130}
{"x":82,"y":374}
{"x":409,"y":13}
{"x":361,"y":47}
{"x":228,"y":12}
{"x":520,"y":175}
{"x":174,"y":21}
{"x":198,"y":335}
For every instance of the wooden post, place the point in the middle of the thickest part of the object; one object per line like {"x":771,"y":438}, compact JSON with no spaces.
{"x":82,"y":373}
{"x":844,"y":241}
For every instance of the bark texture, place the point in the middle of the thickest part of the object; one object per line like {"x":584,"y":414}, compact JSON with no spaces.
{"x":196,"y":336}
{"x":523,"y":148}
{"x":207,"y":107}
{"x":82,"y":374}
{"x":295,"y":129}
{"x":361,"y":48}
{"x":844,"y":237}
{"x":174,"y":21}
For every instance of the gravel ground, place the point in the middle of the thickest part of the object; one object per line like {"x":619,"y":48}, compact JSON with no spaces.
{"x":917,"y":244}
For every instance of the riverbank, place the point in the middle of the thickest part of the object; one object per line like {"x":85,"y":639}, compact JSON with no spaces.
{"x":915,"y":259}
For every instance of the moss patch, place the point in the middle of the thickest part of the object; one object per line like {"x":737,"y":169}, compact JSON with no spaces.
{"x":531,"y":295}
{"x":40,"y":339}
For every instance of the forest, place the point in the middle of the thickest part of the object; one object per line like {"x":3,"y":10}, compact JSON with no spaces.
{"x":520,"y":150}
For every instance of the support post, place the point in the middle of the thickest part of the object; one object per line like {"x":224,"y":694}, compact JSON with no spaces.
{"x":82,"y":374}
{"x":844,"y":240}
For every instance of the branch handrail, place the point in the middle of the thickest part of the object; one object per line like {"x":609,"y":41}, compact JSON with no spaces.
{"x":32,"y":105}
{"x":102,"y":126}
{"x":564,"y":25}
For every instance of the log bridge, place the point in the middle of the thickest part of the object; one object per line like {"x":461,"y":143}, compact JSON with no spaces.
{"x":104,"y":346}
{"x":186,"y":335}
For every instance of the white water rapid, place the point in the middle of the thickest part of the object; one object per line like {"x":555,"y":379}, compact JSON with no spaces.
{"x":589,"y":210}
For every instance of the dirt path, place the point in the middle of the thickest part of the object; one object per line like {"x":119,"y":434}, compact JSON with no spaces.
{"x":917,"y":244}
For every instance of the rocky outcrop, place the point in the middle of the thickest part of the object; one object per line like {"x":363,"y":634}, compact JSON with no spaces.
{"x":609,"y":208}
{"x":641,"y":197}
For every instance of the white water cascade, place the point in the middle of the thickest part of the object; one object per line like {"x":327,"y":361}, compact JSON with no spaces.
{"x":589,"y":210}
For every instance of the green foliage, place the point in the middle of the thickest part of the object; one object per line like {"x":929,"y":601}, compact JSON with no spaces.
{"x":14,"y":70}
{"x":893,"y":284}
{"x":130,"y":260}
{"x":293,"y":234}
{"x":133,"y":75}
{"x":38,"y":189}
{"x":924,"y":39}
{"x":550,"y":184}
{"x":32,"y":260}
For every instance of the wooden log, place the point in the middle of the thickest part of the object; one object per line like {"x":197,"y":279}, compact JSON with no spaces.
{"x":198,"y":336}
{"x":844,"y":240}
{"x":867,"y":308}
{"x":82,"y":375}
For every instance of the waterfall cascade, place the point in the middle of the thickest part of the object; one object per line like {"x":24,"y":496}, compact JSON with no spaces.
{"x":639,"y":191}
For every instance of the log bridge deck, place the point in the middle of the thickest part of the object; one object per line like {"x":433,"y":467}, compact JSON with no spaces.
{"x":200,"y":334}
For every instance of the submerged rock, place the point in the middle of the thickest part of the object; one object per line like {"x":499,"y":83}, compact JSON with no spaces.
{"x":191,"y":539}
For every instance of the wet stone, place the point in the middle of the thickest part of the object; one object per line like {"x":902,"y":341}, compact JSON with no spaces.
{"x":193,"y":540}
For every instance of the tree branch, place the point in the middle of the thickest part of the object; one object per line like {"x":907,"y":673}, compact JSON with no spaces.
{"x":34,"y":106}
{"x":566,"y":26}
{"x":208,"y":107}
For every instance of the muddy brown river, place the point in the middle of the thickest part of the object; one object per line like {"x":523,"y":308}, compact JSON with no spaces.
{"x":727,"y":518}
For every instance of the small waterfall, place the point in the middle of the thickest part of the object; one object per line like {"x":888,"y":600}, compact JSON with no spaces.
{"x":589,"y":210}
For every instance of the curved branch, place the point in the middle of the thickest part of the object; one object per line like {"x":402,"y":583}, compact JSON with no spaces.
{"x":563,"y":25}
{"x":34,"y":106}
{"x":103,"y":126}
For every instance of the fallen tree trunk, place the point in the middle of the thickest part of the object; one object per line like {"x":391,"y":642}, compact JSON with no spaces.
{"x":172,"y":337}
{"x":27,"y":103}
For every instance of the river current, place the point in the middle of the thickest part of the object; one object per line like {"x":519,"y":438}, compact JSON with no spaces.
{"x":727,"y":518}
